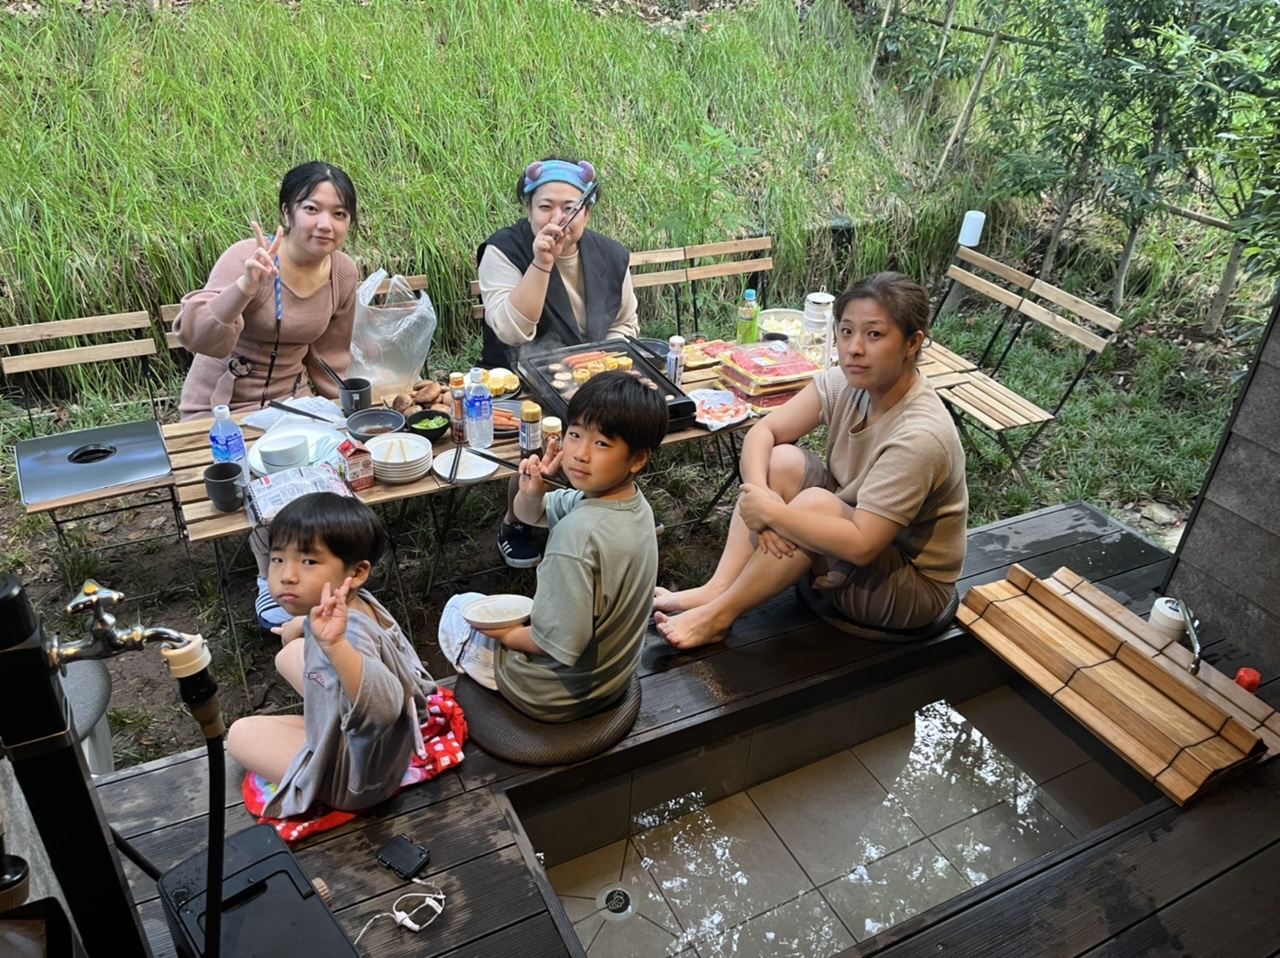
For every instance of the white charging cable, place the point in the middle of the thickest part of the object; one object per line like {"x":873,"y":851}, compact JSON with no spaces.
{"x":433,"y":899}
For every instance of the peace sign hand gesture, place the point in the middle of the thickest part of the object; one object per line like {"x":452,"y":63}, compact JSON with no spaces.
{"x":329,"y":618}
{"x":535,"y":467}
{"x":261,"y":264}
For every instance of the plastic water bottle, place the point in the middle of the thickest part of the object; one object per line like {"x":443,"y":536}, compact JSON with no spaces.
{"x":675,"y":360}
{"x":749,"y":319}
{"x":479,"y":407}
{"x":227,"y":440}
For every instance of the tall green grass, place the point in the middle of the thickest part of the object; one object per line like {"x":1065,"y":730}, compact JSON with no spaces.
{"x":139,"y":143}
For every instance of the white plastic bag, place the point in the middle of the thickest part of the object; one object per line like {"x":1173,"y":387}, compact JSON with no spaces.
{"x":390,"y":343}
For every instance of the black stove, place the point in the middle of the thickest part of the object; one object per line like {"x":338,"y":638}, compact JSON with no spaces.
{"x":539,"y":371}
{"x":73,"y":463}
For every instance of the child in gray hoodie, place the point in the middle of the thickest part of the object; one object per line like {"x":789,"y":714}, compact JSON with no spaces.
{"x":363,"y":686}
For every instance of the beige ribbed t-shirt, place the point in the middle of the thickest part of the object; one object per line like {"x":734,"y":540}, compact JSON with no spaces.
{"x":908,"y":467}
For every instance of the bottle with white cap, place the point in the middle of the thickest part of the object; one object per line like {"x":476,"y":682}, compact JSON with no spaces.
{"x":478,"y":405}
{"x":817,"y":338}
{"x":675,"y":360}
{"x":227,"y":440}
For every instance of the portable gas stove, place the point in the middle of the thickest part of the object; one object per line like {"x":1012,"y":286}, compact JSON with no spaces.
{"x":544,"y":373}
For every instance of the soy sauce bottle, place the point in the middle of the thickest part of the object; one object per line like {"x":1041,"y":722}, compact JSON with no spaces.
{"x":458,"y":418}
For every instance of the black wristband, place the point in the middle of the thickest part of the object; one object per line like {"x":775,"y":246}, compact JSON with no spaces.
{"x":536,"y":266}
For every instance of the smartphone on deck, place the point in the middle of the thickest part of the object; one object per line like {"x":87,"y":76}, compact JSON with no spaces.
{"x":404,"y":856}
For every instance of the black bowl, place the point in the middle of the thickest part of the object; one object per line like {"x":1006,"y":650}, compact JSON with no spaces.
{"x":655,"y":351}
{"x":367,"y":423}
{"x":435,"y":432}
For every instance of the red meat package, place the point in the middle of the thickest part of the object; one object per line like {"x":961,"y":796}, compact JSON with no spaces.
{"x":771,"y":361}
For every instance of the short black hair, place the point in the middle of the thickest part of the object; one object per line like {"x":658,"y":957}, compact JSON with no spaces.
{"x":904,"y":301}
{"x":622,"y":407}
{"x":343,"y":524}
{"x":301,"y":181}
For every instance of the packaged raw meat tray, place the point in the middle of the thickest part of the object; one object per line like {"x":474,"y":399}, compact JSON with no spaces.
{"x":758,"y":404}
{"x":748,"y":386}
{"x":770,"y":364}
{"x":703,"y":354}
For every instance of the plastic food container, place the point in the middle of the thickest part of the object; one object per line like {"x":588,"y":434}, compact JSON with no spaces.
{"x":767,"y":368}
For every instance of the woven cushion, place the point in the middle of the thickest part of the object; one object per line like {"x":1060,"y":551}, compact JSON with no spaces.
{"x":829,"y":614}
{"x":505,"y":732}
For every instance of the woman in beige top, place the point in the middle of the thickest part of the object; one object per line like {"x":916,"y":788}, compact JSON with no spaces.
{"x":881,"y":523}
{"x":249,"y":348}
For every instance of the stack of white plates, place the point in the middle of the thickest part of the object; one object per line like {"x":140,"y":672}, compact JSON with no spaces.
{"x":400,"y":456}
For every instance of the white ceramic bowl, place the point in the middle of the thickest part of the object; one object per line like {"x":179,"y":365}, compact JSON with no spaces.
{"x":283,"y":452}
{"x":498,"y":611}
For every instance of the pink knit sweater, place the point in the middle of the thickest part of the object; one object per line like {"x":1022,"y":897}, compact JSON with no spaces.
{"x":219,"y":322}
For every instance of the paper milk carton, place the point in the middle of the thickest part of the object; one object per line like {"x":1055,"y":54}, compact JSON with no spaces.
{"x":357,"y":464}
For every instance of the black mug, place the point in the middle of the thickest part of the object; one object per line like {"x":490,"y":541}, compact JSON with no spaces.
{"x":356,"y":395}
{"x":225,"y":482}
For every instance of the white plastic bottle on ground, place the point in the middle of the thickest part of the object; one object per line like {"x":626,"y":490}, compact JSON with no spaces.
{"x":478,"y":402}
{"x":227,"y":440}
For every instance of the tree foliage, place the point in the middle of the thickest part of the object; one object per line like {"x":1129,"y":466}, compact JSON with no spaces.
{"x":1133,"y":106}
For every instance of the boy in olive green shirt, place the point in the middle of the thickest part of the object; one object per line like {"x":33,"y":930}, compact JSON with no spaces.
{"x":595,"y":583}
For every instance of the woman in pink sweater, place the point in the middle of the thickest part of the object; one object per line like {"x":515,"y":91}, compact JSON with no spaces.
{"x":246,"y":352}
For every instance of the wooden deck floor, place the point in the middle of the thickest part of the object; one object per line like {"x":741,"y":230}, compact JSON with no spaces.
{"x":1151,"y":878}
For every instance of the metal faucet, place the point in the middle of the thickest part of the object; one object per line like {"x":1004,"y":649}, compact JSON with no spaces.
{"x":105,"y":638}
{"x":1194,"y":667}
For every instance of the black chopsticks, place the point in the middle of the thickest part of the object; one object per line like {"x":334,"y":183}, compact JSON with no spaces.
{"x":331,"y":371}
{"x":453,"y":468}
{"x":301,"y":412}
{"x":578,"y":206}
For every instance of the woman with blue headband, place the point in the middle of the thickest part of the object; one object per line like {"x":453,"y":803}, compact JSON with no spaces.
{"x":551,"y":281}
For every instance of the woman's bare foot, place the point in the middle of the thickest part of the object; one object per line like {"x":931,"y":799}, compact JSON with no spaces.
{"x":690,"y":629}
{"x":664,"y":600}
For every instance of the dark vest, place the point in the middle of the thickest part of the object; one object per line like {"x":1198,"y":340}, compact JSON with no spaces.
{"x":604,"y":263}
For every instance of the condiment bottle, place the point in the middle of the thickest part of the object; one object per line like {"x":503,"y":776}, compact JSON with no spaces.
{"x":458,"y":418}
{"x":675,"y":360}
{"x":530,"y":429}
{"x":552,"y":430}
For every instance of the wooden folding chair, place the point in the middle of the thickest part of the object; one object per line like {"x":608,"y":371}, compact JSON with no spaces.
{"x":978,"y":393}
{"x":756,"y":266}
{"x":34,"y":349}
{"x":675,"y":277}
